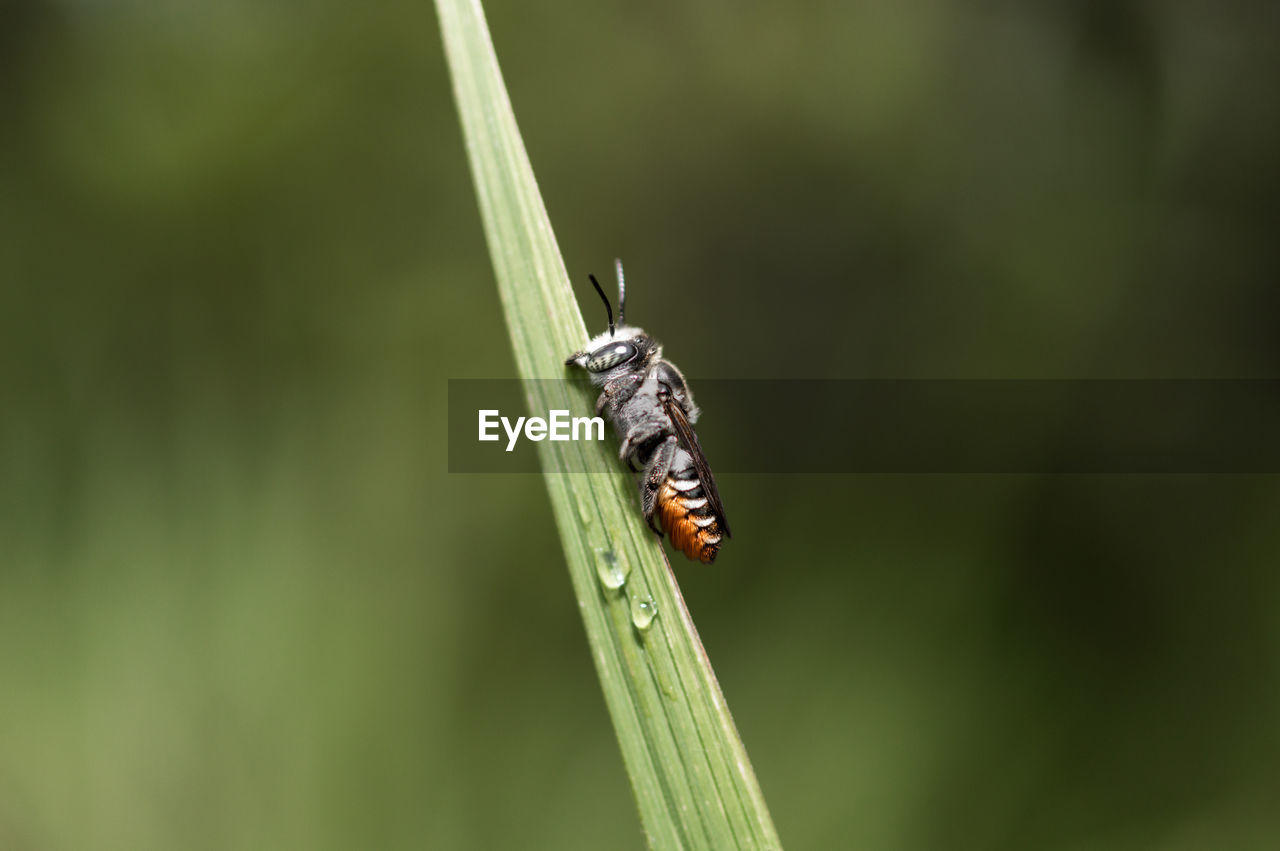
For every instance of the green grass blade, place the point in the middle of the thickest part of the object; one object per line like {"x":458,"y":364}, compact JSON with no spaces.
{"x":688,"y":768}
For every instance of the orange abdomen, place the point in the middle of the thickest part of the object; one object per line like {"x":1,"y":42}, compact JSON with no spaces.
{"x":689,"y":521}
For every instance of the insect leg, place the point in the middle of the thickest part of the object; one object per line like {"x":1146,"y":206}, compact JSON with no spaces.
{"x":654,"y":475}
{"x":638,"y":436}
{"x":617,"y":391}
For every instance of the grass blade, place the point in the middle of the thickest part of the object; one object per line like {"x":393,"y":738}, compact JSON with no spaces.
{"x":693,"y":783}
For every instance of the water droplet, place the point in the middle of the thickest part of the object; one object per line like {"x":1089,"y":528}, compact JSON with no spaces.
{"x":586,"y":512}
{"x":643,"y":611}
{"x":612,"y":573}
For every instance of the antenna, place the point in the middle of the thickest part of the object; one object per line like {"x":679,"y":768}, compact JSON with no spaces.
{"x":622,"y":293}
{"x":608,"y":308}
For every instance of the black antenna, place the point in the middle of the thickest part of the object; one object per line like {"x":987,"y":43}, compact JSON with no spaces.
{"x":622,"y":293}
{"x":608,"y":308}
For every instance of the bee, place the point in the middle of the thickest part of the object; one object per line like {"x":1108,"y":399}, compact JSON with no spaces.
{"x":652,"y":410}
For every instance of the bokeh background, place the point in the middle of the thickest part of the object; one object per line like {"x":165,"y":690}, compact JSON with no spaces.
{"x":243,"y":605}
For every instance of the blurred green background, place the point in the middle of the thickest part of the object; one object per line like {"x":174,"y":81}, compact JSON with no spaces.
{"x":242,"y":604}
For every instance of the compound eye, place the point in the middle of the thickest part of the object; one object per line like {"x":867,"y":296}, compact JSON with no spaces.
{"x":607,"y":357}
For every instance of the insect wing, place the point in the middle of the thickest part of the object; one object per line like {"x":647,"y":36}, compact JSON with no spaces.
{"x":689,"y":439}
